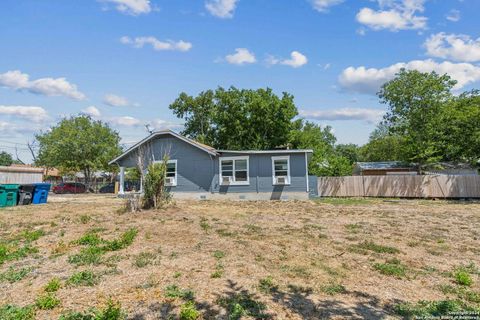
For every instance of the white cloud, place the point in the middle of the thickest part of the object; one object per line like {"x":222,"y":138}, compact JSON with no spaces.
{"x":92,"y":111}
{"x":324,"y":5}
{"x":31,"y":113}
{"x":221,"y":8}
{"x":125,"y":121}
{"x":394,"y":15}
{"x":369,"y":115}
{"x":241,"y":56}
{"x":17,"y":80}
{"x":133,"y":7}
{"x":115,"y":101}
{"x":296,"y":60}
{"x":157,"y":45}
{"x":370,"y":80}
{"x":159,"y":124}
{"x":457,"y":47}
{"x":453,"y":15}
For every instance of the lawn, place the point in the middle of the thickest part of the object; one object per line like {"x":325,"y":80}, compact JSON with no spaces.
{"x":80,"y":256}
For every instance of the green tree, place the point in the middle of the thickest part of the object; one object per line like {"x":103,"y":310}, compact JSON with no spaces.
{"x":237,"y":119}
{"x":383,"y":146}
{"x":458,"y":132}
{"x":349,"y":151}
{"x":414,"y":102}
{"x":325,"y":161}
{"x":6,"y":158}
{"x":79,"y":143}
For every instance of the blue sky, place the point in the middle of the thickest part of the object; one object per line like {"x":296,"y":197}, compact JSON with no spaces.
{"x":125,"y":61}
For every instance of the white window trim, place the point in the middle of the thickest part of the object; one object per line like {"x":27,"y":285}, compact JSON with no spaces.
{"x":176,"y":170}
{"x":234,"y":183}
{"x":288,"y":169}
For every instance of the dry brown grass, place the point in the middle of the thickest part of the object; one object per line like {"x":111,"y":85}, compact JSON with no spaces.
{"x":306,"y":250}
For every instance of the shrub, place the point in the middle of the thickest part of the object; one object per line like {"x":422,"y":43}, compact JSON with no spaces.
{"x":12,"y":275}
{"x":391,"y":267}
{"x":188,"y":311}
{"x":47,"y":301}
{"x":83,"y":278}
{"x":155,"y":193}
{"x":53,"y":285}
{"x":11,"y":312}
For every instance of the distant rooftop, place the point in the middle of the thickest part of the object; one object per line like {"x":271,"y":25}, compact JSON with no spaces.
{"x":383,"y":165}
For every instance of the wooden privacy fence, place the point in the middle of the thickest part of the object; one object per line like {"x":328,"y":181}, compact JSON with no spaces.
{"x":401,"y":186}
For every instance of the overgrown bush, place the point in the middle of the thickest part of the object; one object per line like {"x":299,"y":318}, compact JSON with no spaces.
{"x":155,"y":193}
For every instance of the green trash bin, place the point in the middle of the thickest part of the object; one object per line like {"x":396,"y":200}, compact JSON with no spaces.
{"x":8,"y":195}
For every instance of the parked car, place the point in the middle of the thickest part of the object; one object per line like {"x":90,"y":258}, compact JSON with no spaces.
{"x":70,"y":187}
{"x":110,"y":188}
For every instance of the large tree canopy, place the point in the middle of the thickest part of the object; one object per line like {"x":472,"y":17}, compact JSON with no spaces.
{"x":237,"y":119}
{"x":78,"y":144}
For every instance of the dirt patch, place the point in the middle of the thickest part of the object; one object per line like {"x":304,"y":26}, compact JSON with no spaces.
{"x":283,"y":260}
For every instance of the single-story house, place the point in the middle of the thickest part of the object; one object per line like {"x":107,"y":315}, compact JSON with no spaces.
{"x":198,"y":171}
{"x":384,"y":168}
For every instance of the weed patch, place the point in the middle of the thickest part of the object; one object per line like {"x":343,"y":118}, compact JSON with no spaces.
{"x":392,"y":267}
{"x":11,"y":312}
{"x":53,"y":285}
{"x":188,"y":311}
{"x":267,"y":285}
{"x":371,"y":246}
{"x":144,"y":259}
{"x":333,"y":289}
{"x":243,"y":304}
{"x":173,"y":291}
{"x":13,"y":275}
{"x":47,"y":301}
{"x":431,"y":308}
{"x":83,"y":278}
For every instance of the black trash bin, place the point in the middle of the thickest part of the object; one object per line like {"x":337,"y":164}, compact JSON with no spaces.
{"x":25,"y":194}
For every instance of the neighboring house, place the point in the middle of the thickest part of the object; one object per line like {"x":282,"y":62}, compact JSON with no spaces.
{"x":383,"y":168}
{"x":198,"y":171}
{"x":20,"y":174}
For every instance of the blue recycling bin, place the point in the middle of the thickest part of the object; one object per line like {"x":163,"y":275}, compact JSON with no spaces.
{"x":40,"y":193}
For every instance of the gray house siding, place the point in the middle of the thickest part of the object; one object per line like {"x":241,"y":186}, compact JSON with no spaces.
{"x":260,"y":174}
{"x":198,"y":171}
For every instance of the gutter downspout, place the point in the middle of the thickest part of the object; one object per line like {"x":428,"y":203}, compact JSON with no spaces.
{"x":306,"y":173}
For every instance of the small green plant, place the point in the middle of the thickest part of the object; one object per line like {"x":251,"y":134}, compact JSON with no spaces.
{"x":392,"y":267}
{"x":12,"y":312}
{"x":267,"y":285}
{"x":144,"y":259}
{"x":53,"y":285}
{"x":88,"y":256}
{"x":371,"y":246}
{"x":47,"y":301}
{"x":333,"y":289}
{"x":217,"y":254}
{"x":243,"y":304}
{"x":13,"y":275}
{"x":205,"y":225}
{"x":353,"y":227}
{"x":124,"y":241}
{"x":463,"y":278}
{"x":173,"y":291}
{"x":177,"y":274}
{"x":225,"y":233}
{"x":112,"y":311}
{"x":188,"y":311}
{"x":89,"y":239}
{"x":31,"y":236}
{"x":83,"y":278}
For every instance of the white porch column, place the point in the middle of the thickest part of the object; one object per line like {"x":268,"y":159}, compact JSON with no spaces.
{"x":122,"y":181}
{"x":141,"y":184}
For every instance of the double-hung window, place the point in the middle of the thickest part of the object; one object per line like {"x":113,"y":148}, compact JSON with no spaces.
{"x":171,"y":177}
{"x":234,"y":171}
{"x":281,"y":170}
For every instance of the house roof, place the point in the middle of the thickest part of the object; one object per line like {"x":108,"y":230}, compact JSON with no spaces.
{"x":202,"y":146}
{"x":384,"y":165}
{"x":194,"y":143}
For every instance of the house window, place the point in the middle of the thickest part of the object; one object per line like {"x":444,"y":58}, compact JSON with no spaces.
{"x":281,"y":170}
{"x":171,"y":179}
{"x":234,"y":171}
